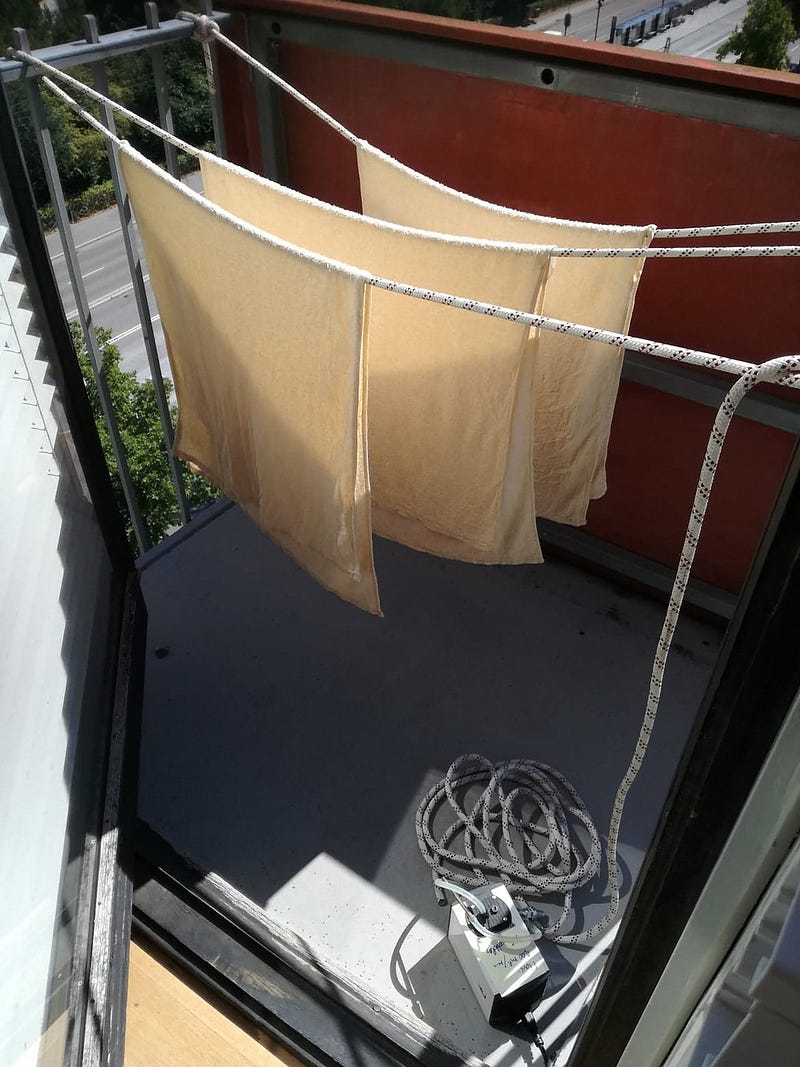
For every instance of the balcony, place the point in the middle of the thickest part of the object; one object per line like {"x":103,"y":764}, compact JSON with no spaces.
{"x":286,"y":737}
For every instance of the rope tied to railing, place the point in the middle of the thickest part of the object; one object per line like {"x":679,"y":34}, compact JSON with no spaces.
{"x":206,"y":30}
{"x":737,"y":229}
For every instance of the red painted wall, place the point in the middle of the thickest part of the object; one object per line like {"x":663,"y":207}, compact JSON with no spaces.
{"x":587,"y":159}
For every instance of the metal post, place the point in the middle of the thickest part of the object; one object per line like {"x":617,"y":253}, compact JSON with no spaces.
{"x":47,"y":153}
{"x":213,"y":89}
{"x":597,"y":20}
{"x":137,"y":276}
{"x":162,"y":90}
{"x":271,"y":129}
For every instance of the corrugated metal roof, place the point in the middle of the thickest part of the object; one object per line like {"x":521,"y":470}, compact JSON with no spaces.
{"x":53,"y":575}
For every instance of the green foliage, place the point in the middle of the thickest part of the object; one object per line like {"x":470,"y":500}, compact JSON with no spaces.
{"x":134,"y":403}
{"x":80,"y":151}
{"x":763,"y":37}
{"x":96,"y":198}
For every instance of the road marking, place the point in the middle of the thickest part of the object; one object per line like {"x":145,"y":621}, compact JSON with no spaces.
{"x":123,"y":289}
{"x":90,"y":241}
{"x":132,"y":330}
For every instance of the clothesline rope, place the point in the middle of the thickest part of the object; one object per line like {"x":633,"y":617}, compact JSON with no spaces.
{"x":660,"y":350}
{"x":207,"y":28}
{"x":784,"y":370}
{"x":719,"y":252}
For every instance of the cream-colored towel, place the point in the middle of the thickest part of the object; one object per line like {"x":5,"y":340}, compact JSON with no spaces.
{"x":576,"y":381}
{"x":267,"y":349}
{"x":450,"y":433}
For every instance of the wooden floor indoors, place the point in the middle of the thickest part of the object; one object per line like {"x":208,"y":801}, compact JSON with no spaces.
{"x":174,"y":1020}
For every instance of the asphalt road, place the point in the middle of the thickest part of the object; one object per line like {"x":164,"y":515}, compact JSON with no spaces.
{"x":700,"y":34}
{"x":109,"y":289}
{"x":584,"y":15}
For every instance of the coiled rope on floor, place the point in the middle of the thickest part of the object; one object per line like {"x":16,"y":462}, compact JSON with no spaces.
{"x":564,"y":864}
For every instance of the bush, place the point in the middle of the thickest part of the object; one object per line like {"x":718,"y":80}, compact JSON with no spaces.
{"x":134,"y":404}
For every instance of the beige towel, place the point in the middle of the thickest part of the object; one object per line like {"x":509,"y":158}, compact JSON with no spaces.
{"x":267,"y":351}
{"x":450,"y":433}
{"x":576,"y":381}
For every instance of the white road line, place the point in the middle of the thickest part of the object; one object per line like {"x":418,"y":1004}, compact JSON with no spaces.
{"x":90,"y":241}
{"x":123,"y":289}
{"x":132,"y":330}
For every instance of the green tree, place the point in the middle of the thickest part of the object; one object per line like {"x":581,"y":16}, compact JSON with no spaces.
{"x":763,"y":38}
{"x":134,"y":403}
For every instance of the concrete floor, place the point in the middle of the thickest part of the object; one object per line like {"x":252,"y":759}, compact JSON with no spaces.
{"x":287,"y":739}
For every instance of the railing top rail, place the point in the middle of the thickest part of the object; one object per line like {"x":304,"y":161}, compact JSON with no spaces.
{"x":64,"y":56}
{"x":633,"y":61}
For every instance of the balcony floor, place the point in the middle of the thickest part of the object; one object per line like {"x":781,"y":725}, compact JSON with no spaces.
{"x":287,"y":739}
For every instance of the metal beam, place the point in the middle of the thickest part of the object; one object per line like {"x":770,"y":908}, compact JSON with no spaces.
{"x":110,"y":45}
{"x":779,"y":412}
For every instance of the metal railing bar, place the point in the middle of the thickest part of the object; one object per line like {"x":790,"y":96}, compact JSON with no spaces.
{"x":109,"y":45}
{"x":161,"y":81}
{"x":782,"y":413}
{"x":211,"y":51}
{"x":47,"y":154}
{"x":137,"y":278}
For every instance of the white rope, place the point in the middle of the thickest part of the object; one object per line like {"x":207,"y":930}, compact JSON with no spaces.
{"x":562,"y":865}
{"x":721,"y":252}
{"x":87,"y":116}
{"x":206,"y":27}
{"x":730,"y":231}
{"x":694,"y":357}
{"x":93,"y":94}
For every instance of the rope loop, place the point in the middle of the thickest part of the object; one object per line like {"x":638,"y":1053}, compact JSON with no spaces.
{"x":205,"y":28}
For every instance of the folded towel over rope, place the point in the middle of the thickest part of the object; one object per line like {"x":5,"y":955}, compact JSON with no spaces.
{"x":267,"y":348}
{"x":576,"y":381}
{"x":450,"y":419}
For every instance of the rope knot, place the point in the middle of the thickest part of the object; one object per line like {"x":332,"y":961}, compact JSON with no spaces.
{"x":205,"y":28}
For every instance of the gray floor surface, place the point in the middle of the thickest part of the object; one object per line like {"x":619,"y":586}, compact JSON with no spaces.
{"x":288,"y":737}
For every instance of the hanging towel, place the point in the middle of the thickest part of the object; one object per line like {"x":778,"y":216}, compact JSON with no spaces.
{"x":267,"y":346}
{"x":450,"y":414}
{"x":576,"y":381}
